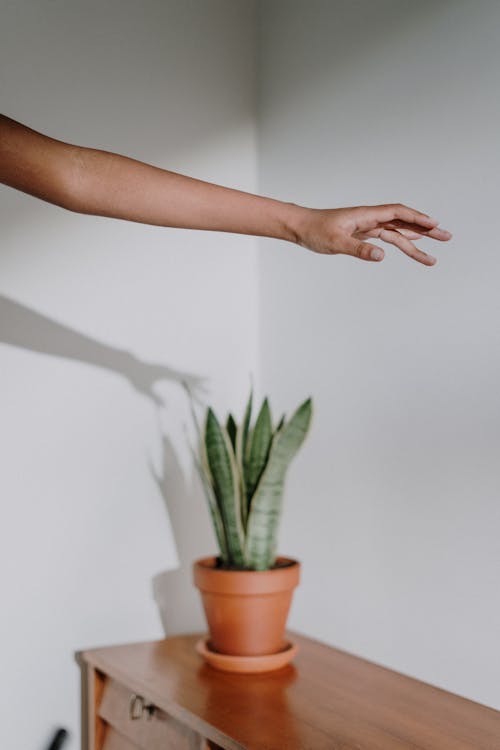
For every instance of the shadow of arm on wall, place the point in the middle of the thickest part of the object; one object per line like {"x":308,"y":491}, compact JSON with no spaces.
{"x":24,"y":328}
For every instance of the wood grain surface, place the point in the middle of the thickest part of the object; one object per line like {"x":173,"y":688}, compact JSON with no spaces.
{"x":326,"y":700}
{"x":152,"y":732}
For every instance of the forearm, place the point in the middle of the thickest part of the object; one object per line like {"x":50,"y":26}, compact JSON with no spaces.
{"x":120,"y":187}
{"x":106,"y":184}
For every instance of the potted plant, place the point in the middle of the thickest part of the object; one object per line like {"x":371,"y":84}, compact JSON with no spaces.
{"x":247,"y":589}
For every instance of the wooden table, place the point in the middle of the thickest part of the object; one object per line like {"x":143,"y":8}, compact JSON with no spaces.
{"x":326,"y":700}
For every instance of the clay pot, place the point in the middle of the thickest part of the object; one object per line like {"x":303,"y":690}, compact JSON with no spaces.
{"x":247,"y":610}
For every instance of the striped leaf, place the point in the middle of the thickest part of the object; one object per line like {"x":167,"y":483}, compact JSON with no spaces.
{"x":226,"y":483}
{"x":231,"y":430}
{"x":258,"y":449}
{"x":241,"y":448}
{"x":204,"y":474}
{"x":265,"y":510}
{"x":206,"y":481}
{"x":280,"y":423}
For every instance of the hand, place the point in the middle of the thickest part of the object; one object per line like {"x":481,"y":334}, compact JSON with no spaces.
{"x":343,"y":230}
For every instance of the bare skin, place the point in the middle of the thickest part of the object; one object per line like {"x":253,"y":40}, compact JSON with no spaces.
{"x":101,"y":183}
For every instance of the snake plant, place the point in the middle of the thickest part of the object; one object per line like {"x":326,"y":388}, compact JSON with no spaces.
{"x":242,"y":469}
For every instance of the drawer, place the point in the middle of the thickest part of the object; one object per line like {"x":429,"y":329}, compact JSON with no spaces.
{"x":141,"y":723}
{"x":116,"y":741}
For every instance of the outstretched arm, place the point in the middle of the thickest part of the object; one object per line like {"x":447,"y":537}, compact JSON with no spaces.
{"x":101,"y":183}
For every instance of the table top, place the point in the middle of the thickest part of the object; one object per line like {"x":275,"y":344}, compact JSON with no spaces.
{"x":326,"y":700}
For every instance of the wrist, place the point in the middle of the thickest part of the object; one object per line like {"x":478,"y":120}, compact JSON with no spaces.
{"x":292,"y":221}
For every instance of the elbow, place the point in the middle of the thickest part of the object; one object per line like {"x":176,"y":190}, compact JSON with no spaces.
{"x":41,"y":166}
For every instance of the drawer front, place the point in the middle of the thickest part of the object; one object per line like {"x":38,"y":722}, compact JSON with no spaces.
{"x":141,"y":723}
{"x":115,"y":741}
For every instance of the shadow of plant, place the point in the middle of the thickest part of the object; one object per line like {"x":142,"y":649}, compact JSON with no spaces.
{"x":178,"y":601}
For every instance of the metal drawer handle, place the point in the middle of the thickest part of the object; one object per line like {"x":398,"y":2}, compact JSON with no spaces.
{"x":137,"y":707}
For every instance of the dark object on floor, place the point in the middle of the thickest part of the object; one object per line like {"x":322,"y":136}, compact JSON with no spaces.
{"x":59,"y":739}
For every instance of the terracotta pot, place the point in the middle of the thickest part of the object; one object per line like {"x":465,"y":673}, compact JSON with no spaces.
{"x":246,"y":610}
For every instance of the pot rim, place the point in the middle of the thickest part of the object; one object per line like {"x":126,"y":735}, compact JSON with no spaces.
{"x":209,"y":562}
{"x":214,"y":580}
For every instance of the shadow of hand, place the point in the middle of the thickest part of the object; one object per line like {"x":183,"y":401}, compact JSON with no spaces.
{"x":145,"y":377}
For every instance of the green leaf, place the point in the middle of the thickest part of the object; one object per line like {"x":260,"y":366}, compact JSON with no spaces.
{"x":258,"y":449}
{"x":280,"y":423}
{"x":265,"y":510}
{"x":241,"y":447}
{"x":226,"y":483}
{"x":206,"y":482}
{"x":231,"y":429}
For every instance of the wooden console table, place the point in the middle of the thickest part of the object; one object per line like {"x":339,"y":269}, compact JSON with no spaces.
{"x":161,"y":696}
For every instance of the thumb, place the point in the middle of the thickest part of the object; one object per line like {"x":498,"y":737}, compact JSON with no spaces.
{"x":357,"y":248}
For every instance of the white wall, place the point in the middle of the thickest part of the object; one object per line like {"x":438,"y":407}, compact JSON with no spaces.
{"x":84,"y":525}
{"x":360,"y":102}
{"x":393,"y":504}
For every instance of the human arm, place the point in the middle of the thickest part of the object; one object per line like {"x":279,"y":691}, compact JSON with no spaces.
{"x":102,"y":183}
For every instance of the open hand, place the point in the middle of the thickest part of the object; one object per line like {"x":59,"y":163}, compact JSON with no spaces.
{"x":344,"y":230}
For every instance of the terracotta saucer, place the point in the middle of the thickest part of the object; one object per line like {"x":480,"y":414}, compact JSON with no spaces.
{"x":246,"y":664}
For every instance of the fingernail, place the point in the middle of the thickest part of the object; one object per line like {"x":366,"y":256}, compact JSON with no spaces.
{"x":432,"y":259}
{"x":376,"y":254}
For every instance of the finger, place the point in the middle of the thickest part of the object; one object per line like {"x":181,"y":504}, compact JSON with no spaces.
{"x":358,"y":249}
{"x":436,"y":233}
{"x":376,"y":233}
{"x":391,"y":211}
{"x":409,"y":233}
{"x":404,"y":244}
